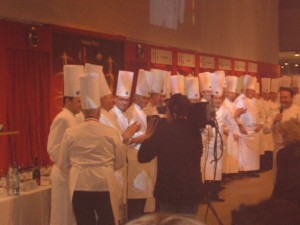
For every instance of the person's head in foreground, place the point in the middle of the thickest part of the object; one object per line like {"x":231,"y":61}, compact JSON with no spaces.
{"x":164,"y":219}
{"x":290,"y":131}
{"x":178,"y":107}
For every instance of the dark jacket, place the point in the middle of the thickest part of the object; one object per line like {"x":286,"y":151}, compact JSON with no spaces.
{"x":178,"y":148}
{"x":287,"y":184}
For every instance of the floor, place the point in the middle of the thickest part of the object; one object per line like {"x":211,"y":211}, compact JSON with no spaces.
{"x":240,"y":191}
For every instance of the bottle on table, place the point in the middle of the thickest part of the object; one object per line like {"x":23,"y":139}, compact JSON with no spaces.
{"x":13,"y":180}
{"x":36,"y":174}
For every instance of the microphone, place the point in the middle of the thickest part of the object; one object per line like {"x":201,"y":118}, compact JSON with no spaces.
{"x":211,"y":115}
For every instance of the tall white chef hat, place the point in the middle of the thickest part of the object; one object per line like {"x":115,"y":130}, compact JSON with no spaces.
{"x":250,"y":82}
{"x":266,"y":85}
{"x":240,"y":83}
{"x":166,"y":83}
{"x":285,"y":81}
{"x":275,"y":85}
{"x":144,"y":83}
{"x":90,"y":94}
{"x":217,"y":80}
{"x":177,"y":84}
{"x":205,"y":81}
{"x":295,"y":81}
{"x":124,"y":84}
{"x":222,"y":73}
{"x":71,"y":80}
{"x":157,"y":83}
{"x":192,"y":87}
{"x":257,"y":88}
{"x":232,"y":82}
{"x":104,"y":88}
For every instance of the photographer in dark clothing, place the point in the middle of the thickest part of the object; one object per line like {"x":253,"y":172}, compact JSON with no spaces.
{"x":178,"y":147}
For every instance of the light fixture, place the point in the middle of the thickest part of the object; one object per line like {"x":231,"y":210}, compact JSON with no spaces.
{"x":296,"y":64}
{"x":286,"y":64}
{"x":297,"y":54}
{"x":282,"y":67}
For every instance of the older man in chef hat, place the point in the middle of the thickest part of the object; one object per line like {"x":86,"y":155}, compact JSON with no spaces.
{"x":212,"y":149}
{"x":205,"y":84}
{"x":140,"y":186}
{"x":90,"y":153}
{"x":250,"y":124}
{"x":61,"y":208}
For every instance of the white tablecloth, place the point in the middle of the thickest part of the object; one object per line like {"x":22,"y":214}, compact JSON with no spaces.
{"x":29,"y":208}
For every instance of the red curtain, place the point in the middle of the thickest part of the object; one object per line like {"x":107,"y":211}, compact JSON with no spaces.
{"x":28,"y":105}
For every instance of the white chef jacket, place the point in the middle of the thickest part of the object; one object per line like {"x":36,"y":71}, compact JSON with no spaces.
{"x":248,"y":144}
{"x":90,"y":153}
{"x":139,"y":179}
{"x":120,"y":119}
{"x":230,"y":155}
{"x":223,"y":117}
{"x":61,"y":208}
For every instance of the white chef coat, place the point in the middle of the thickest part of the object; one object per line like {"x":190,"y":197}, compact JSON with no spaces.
{"x":208,"y":162}
{"x":61,"y":208}
{"x":139,"y":179}
{"x":116,"y":120}
{"x":151,"y":110}
{"x":90,"y":153}
{"x":230,"y":155}
{"x":267,"y":135}
{"x":248,"y":144}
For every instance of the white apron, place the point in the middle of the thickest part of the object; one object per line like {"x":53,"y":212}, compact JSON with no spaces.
{"x":113,"y":187}
{"x":248,"y":144}
{"x":61,"y":209}
{"x":139,"y":179}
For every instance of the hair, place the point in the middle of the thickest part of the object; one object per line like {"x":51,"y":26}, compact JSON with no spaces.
{"x":164,"y":219}
{"x":290,"y":131}
{"x":179,"y":105}
{"x":290,"y":90}
{"x":65,"y":99}
{"x":268,"y":212}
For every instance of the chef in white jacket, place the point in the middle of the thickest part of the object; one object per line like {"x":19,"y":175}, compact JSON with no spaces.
{"x":211,"y":161}
{"x":286,"y":111}
{"x":249,"y":125}
{"x":61,"y":209}
{"x":90,"y":153}
{"x":231,"y":155}
{"x":140,"y":186}
{"x":295,"y":85}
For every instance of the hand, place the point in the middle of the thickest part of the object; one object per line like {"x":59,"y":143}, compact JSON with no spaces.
{"x":235,"y":137}
{"x":278,"y":118}
{"x":239,"y":112}
{"x":140,"y":139}
{"x":243,"y":129}
{"x":258,"y":128}
{"x":226,"y":132}
{"x":129,"y":132}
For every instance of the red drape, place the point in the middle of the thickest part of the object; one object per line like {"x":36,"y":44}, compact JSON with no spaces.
{"x":28,"y":105}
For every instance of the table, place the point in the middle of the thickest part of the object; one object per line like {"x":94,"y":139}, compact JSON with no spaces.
{"x":29,"y":208}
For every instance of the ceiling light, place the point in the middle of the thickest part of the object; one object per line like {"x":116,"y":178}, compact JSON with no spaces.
{"x":296,"y":64}
{"x":297,"y":54}
{"x":286,"y":64}
{"x":282,"y":67}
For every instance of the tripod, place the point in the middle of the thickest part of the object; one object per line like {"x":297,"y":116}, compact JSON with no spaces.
{"x":207,"y":200}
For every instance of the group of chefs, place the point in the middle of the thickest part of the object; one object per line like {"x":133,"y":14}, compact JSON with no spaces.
{"x":94,"y":141}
